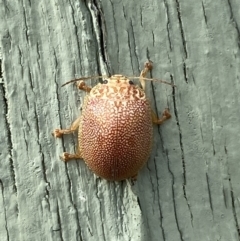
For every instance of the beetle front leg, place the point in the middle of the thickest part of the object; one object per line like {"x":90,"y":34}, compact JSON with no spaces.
{"x":166,"y":115}
{"x":147,"y":67}
{"x":82,"y":86}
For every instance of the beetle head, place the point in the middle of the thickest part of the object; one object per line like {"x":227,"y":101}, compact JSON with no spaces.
{"x":118,"y":80}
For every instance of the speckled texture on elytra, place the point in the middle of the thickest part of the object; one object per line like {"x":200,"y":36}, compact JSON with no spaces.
{"x":115,"y":133}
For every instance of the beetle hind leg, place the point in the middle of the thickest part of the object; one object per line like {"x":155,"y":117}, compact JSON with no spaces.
{"x":69,"y":156}
{"x":165,"y":116}
{"x":58,"y":133}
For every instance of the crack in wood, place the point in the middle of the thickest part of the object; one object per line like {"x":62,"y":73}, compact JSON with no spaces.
{"x":101,"y":30}
{"x":73,"y":204}
{"x":182,"y":150}
{"x":59,"y":223}
{"x":168,"y":24}
{"x":99,"y":27}
{"x":26,"y":25}
{"x":181,"y":28}
{"x":204,"y":14}
{"x":159,"y":204}
{"x":173,"y":196}
{"x":100,"y":208}
{"x":209,"y":193}
{"x":234,"y":21}
{"x":75,"y":30}
{"x":183,"y":40}
{"x":1,"y":69}
{"x":4,"y":208}
{"x":9,"y":136}
{"x":234,"y":209}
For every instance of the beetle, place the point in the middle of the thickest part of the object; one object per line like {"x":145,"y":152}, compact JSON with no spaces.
{"x":115,"y":130}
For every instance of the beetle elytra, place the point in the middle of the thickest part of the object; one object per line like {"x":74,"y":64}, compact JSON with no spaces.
{"x":115,"y":129}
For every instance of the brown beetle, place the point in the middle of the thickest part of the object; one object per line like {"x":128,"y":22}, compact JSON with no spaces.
{"x":115,"y":129}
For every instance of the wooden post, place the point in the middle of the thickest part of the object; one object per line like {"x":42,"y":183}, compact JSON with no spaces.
{"x":189,"y":189}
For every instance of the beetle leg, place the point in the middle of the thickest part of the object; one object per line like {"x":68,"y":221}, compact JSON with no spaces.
{"x":59,"y":132}
{"x":147,"y":67}
{"x":82,"y":86}
{"x":68,"y":156}
{"x":166,"y":115}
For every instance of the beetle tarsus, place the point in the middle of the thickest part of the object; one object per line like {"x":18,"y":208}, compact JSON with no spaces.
{"x":148,"y":65}
{"x":57,"y":133}
{"x":167,"y":113}
{"x":165,"y":116}
{"x":65,"y":156}
{"x":82,"y":86}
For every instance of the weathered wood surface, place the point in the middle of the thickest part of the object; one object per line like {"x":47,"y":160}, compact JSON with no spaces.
{"x":190,"y":188}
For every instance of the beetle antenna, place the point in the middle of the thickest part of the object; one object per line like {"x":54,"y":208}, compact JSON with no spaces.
{"x":158,"y":80}
{"x":104,"y":76}
{"x":84,"y":78}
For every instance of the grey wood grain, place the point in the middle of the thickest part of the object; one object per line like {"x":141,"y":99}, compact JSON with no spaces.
{"x":190,"y":187}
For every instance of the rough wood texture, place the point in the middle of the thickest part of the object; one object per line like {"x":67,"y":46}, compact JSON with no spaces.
{"x":190,"y":188}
